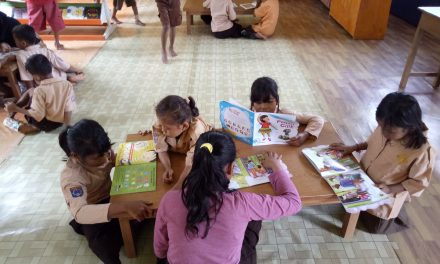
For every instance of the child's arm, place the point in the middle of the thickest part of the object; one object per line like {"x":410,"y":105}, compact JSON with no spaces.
{"x":68,"y":118}
{"x":75,"y":70}
{"x":161,"y":240}
{"x":347,"y":149}
{"x":164,"y":158}
{"x":314,"y":125}
{"x":231,"y":12}
{"x":13,"y":108}
{"x":138,"y":210}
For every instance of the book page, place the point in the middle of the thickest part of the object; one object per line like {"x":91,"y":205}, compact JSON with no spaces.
{"x":134,"y":178}
{"x":271,"y":128}
{"x":137,"y":152}
{"x":237,"y":121}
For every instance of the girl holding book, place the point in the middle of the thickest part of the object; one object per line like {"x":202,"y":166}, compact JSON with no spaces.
{"x":205,"y":222}
{"x":398,"y":157}
{"x":264,"y":98}
{"x":85,"y":183}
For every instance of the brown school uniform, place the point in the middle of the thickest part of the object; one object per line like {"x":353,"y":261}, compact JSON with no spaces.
{"x":119,"y":3}
{"x":169,"y":12}
{"x":187,"y":140}
{"x":59,"y":66}
{"x":390,"y":163}
{"x":314,"y":123}
{"x":268,"y":13}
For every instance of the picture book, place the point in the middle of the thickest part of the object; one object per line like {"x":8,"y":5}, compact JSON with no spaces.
{"x":247,"y":6}
{"x":249,"y":171}
{"x":137,"y":152}
{"x":134,"y":178}
{"x":257,"y":129}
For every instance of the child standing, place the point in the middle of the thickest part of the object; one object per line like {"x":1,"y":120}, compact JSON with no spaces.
{"x":52,"y":102}
{"x":85,"y":183}
{"x":223,"y":15}
{"x":267,"y":11}
{"x":170,"y":16}
{"x":264,"y":98}
{"x":29,"y":45}
{"x":117,"y":5}
{"x":177,"y":129}
{"x":203,"y":221}
{"x":398,"y":156}
{"x":41,"y":12}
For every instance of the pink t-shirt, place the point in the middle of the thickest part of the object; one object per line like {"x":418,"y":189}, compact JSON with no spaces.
{"x":224,"y":240}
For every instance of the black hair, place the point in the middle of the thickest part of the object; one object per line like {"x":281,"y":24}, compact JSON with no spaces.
{"x":402,"y":110}
{"x":177,"y":109}
{"x":261,"y":117}
{"x":262,"y":89}
{"x":26,"y":33}
{"x":87,"y":137}
{"x":203,"y":188}
{"x":38,"y":64}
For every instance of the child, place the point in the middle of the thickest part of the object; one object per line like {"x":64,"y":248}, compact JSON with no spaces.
{"x":265,"y":129}
{"x":265,"y":98}
{"x":223,"y":17}
{"x":6,"y":26}
{"x":85,"y":183}
{"x":205,"y":222}
{"x":51,"y":103}
{"x":177,"y":129}
{"x":170,"y":17}
{"x":117,"y":5}
{"x":40,"y":11}
{"x":29,"y":44}
{"x":398,"y":156}
{"x":267,"y":11}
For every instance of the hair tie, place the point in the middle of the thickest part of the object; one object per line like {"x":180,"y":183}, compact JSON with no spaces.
{"x":208,"y":146}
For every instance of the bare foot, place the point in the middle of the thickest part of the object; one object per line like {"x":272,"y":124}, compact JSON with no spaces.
{"x":116,"y":21}
{"x":260,"y":36}
{"x":28,"y":129}
{"x":76,"y":78}
{"x":164,"y":58}
{"x":139,"y":23}
{"x":59,"y":46}
{"x":172,"y":52}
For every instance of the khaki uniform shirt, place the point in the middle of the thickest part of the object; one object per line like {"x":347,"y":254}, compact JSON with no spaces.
{"x":59,"y":66}
{"x":83,"y":188}
{"x":268,"y":13}
{"x":390,"y":163}
{"x":314,"y":123}
{"x":51,"y":99}
{"x":185,"y":143}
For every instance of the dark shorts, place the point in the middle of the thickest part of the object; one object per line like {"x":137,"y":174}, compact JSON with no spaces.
{"x":118,"y":3}
{"x":169,"y":13}
{"x":44,"y":125}
{"x":233,"y":32}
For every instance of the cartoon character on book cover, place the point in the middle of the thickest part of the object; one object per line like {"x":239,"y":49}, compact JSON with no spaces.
{"x":266,"y":126}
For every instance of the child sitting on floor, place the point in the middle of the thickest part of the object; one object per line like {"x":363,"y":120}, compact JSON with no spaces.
{"x":170,"y":17}
{"x":223,"y":15}
{"x":267,"y":11}
{"x":51,"y":103}
{"x":177,"y":129}
{"x":398,"y":158}
{"x":264,"y":98}
{"x":28,"y":43}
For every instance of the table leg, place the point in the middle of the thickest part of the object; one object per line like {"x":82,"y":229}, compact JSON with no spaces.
{"x":437,"y":80}
{"x":410,"y":60}
{"x":349,"y":225}
{"x":14,"y":85}
{"x":189,"y":22}
{"x":127,"y":236}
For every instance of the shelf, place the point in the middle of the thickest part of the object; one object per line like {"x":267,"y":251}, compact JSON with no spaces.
{"x":78,"y":33}
{"x":72,"y":22}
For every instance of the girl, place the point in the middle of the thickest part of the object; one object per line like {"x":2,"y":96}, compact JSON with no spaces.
{"x":177,"y":129}
{"x":204,"y":222}
{"x":398,"y":156}
{"x":267,"y":11}
{"x":85,"y":183}
{"x":223,"y":15}
{"x":265,"y":129}
{"x":265,"y":98}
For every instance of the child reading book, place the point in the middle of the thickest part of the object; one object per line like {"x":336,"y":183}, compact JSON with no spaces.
{"x":398,"y":155}
{"x":170,"y":17}
{"x":52,"y":102}
{"x":264,"y":98}
{"x":204,"y":222}
{"x":267,"y":12}
{"x":177,"y":129}
{"x":117,"y":5}
{"x":223,"y":15}
{"x":29,"y":44}
{"x":85,"y":183}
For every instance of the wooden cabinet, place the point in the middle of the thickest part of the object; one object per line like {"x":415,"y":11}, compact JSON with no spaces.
{"x":363,"y":19}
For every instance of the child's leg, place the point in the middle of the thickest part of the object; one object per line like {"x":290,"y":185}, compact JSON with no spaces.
{"x":172,"y":38}
{"x":75,"y":78}
{"x":117,"y":4}
{"x":55,"y":20}
{"x":165,"y":29}
{"x":251,"y":237}
{"x":136,"y":14}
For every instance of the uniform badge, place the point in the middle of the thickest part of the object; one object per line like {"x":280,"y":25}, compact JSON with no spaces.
{"x":76,"y":191}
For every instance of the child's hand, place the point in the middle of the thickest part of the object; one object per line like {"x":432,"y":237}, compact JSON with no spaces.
{"x":4,"y":47}
{"x":139,"y":210}
{"x":299,"y":139}
{"x":346,"y":150}
{"x":10,"y":107}
{"x":168,"y":176}
{"x":145,"y":132}
{"x":273,"y":161}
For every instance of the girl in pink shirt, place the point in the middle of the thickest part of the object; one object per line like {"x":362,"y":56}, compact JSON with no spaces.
{"x":204,"y":221}
{"x":223,"y":15}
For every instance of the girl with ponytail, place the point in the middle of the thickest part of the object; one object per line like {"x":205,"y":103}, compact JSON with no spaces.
{"x":204,"y":221}
{"x":177,"y":129}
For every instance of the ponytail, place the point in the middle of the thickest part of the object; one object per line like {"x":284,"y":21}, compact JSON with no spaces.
{"x":177,"y":109}
{"x":192,"y":105}
{"x":203,"y":188}
{"x":62,"y":139}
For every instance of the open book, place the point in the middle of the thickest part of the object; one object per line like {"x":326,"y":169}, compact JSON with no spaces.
{"x":247,"y":6}
{"x":135,"y":168}
{"x":257,"y":128}
{"x":353,"y":187}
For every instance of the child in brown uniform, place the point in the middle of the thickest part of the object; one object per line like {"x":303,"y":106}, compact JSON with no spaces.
{"x":170,"y":16}
{"x":398,"y":156}
{"x":267,"y":11}
{"x":85,"y":183}
{"x":117,"y":5}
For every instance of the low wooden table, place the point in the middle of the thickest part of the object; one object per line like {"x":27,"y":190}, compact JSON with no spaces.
{"x":10,"y":71}
{"x":195,"y":7}
{"x":429,"y":23}
{"x":311,"y":186}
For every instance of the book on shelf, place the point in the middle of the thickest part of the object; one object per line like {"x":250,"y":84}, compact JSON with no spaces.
{"x":354,"y":188}
{"x":257,"y":128}
{"x":135,"y":168}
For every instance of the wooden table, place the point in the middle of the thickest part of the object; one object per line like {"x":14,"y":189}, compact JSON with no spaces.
{"x":195,"y":7}
{"x":429,"y":23}
{"x":311,"y":187}
{"x":10,"y":71}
